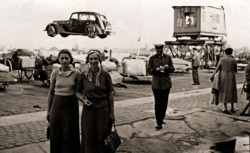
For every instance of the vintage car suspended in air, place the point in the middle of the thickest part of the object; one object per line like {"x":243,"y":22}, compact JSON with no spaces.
{"x":89,"y":24}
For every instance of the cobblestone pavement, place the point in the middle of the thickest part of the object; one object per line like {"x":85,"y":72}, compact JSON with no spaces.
{"x":32,"y":96}
{"x":21,"y":98}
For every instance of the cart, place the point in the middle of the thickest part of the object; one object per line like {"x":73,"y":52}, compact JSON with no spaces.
{"x":6,"y":79}
{"x":23,"y":61}
{"x":136,"y":68}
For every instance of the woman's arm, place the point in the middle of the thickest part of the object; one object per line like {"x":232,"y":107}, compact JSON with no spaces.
{"x":110,"y":88}
{"x":218,"y":67}
{"x":51,"y":93}
{"x":235,"y":66}
{"x":111,"y":106}
{"x":247,"y":72}
{"x":111,"y":101}
{"x":79,"y":89}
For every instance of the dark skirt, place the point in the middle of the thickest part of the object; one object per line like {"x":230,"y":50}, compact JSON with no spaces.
{"x":64,"y":125}
{"x":96,"y":126}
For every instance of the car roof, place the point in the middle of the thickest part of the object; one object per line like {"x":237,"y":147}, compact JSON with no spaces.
{"x":85,"y":12}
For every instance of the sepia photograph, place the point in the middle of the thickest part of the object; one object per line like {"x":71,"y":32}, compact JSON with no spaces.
{"x":127,"y":76}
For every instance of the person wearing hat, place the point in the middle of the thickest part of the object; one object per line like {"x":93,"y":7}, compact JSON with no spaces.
{"x":104,"y":55}
{"x":195,"y":67}
{"x":160,"y":66}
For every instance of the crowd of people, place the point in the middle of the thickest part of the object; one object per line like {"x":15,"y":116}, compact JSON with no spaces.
{"x":93,"y":88}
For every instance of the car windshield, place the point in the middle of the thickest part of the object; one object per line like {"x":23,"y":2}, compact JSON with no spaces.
{"x":87,"y":17}
{"x":74,"y":16}
{"x":103,"y":18}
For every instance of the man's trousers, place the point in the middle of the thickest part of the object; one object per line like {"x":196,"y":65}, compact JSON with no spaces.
{"x":161,"y":103}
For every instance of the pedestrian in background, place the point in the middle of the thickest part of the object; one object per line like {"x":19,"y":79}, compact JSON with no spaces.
{"x":227,"y":80}
{"x":104,"y":55}
{"x":160,"y":66}
{"x":195,"y":66}
{"x":63,"y":108}
{"x":202,"y":58}
{"x":94,"y":90}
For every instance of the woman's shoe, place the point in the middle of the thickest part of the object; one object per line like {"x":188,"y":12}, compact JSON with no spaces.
{"x":158,"y":127}
{"x":226,"y":112}
{"x":233,"y":111}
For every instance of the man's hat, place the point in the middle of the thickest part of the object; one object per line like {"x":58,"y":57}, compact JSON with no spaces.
{"x":159,"y":46}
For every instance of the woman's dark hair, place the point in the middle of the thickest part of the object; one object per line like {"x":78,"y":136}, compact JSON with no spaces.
{"x":229,"y":51}
{"x":65,"y":51}
{"x":92,"y":51}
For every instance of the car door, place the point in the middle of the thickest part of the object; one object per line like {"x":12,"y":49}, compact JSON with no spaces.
{"x":74,"y":23}
{"x":84,"y":20}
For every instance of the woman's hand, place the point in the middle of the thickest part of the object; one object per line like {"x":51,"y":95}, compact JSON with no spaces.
{"x":87,"y":102}
{"x":212,"y":77}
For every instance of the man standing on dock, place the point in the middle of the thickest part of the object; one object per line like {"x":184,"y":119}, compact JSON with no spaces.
{"x":195,"y":66}
{"x":160,"y":66}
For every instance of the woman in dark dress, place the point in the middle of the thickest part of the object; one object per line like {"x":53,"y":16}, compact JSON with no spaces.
{"x":94,"y":89}
{"x":63,"y":108}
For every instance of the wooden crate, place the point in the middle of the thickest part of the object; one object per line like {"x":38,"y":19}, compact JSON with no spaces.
{"x":27,"y":62}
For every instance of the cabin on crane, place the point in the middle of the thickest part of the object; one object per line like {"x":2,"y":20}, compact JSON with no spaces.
{"x":202,"y":27}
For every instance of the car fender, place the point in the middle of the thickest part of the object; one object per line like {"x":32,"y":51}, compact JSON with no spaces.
{"x":98,"y":29}
{"x":58,"y":28}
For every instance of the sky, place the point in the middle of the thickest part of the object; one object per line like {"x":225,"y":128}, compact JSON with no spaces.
{"x":23,"y":22}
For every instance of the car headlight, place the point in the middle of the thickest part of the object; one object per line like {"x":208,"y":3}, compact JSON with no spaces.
{"x":108,"y":27}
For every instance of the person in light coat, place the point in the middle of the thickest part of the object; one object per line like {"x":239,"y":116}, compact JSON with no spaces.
{"x":247,"y":75}
{"x":227,"y":82}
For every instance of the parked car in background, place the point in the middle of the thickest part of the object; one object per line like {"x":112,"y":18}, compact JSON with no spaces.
{"x":89,"y":24}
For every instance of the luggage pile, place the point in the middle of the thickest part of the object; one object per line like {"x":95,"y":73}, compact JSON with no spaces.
{"x":5,"y":76}
{"x":134,"y":67}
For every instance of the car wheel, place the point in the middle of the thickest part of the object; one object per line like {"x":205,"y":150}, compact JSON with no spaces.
{"x":91,"y":31}
{"x":102,"y":36}
{"x":64,"y":35}
{"x":51,"y":31}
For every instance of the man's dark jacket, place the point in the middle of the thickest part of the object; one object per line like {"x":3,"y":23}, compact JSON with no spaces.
{"x":160,"y":80}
